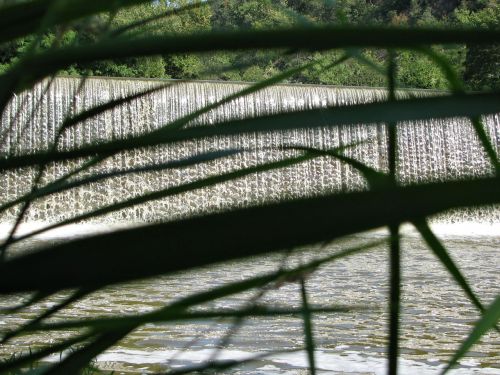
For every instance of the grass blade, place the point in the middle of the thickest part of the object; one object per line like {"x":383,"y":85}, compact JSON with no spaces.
{"x":26,"y":17}
{"x":178,"y":308}
{"x":394,"y":299}
{"x":303,"y":38}
{"x":63,"y":185}
{"x":308,"y":330}
{"x":204,"y":240}
{"x":468,"y":105}
{"x":440,"y":251}
{"x":307,"y":38}
{"x":374,"y":178}
{"x":79,"y":359}
{"x":209,"y":181}
{"x":487,"y":321}
{"x":112,"y":334}
{"x":40,"y":354}
{"x":77,"y":295}
{"x":457,"y":86}
{"x":35,"y":298}
{"x":171,"y":12}
{"x":226,"y":364}
{"x":183,"y":316}
{"x":98,"y":109}
{"x":178,"y":124}
{"x":394,"y":248}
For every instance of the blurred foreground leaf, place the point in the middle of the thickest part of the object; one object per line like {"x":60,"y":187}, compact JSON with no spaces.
{"x":487,"y":322}
{"x":157,"y":249}
{"x":465,"y":105}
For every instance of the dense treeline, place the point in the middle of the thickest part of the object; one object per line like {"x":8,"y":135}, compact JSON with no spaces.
{"x":479,"y":66}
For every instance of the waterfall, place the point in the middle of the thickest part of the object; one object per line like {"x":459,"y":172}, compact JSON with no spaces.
{"x":428,"y":150}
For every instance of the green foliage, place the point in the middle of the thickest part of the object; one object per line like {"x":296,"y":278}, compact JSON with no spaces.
{"x":482,"y":64}
{"x":184,"y":66}
{"x":119,"y":43}
{"x":352,"y":73}
{"x":479,"y":65}
{"x":415,"y":70}
{"x":253,"y":14}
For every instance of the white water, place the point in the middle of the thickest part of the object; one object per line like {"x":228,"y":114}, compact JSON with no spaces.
{"x":437,"y":316}
{"x":430,"y":150}
{"x":349,"y":362}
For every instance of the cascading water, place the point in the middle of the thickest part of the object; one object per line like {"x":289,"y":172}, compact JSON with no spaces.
{"x":428,"y":150}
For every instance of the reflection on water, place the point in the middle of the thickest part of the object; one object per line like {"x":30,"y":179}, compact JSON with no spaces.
{"x":436,"y":314}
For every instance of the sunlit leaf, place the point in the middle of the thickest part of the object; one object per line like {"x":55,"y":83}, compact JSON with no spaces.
{"x":487,"y":321}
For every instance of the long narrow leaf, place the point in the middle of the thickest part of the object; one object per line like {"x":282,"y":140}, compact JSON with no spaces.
{"x":35,"y":298}
{"x":62,"y":185}
{"x":111,"y":336}
{"x":204,"y":240}
{"x":79,"y":294}
{"x":178,"y":124}
{"x":440,"y":251}
{"x":374,"y":178}
{"x":404,"y":110}
{"x":308,"y":329}
{"x":394,"y":247}
{"x":487,"y":321}
{"x":178,"y":308}
{"x":79,"y":359}
{"x":182,"y":316}
{"x":457,"y":86}
{"x":26,"y":17}
{"x":307,"y":38}
{"x":42,"y":353}
{"x":225,"y":364}
{"x":170,"y":12}
{"x":205,"y":182}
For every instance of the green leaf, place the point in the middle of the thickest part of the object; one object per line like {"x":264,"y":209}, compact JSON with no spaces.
{"x":98,"y":109}
{"x":62,"y":184}
{"x":33,"y":68}
{"x":26,"y":17}
{"x":115,"y":329}
{"x":308,"y":330}
{"x":178,"y":124}
{"x":374,"y":178}
{"x":35,"y":298}
{"x":198,"y":241}
{"x":75,"y":296}
{"x":80,"y":358}
{"x":226,"y":364}
{"x":42,"y":353}
{"x":209,"y":181}
{"x":457,"y":86}
{"x":487,"y":321}
{"x":170,"y":12}
{"x":403,"y":110}
{"x":305,"y":38}
{"x":108,"y":323}
{"x":394,"y":298}
{"x":394,"y":248}
{"x":440,"y":251}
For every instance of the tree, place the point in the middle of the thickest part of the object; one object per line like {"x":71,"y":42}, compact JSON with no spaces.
{"x":482,"y":63}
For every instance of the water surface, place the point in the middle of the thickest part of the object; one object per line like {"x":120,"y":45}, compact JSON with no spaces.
{"x":436,"y":314}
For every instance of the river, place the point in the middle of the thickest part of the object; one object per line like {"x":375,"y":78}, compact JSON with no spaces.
{"x":436,"y":315}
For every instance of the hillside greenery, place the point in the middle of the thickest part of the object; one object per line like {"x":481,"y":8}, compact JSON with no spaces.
{"x":478,"y":65}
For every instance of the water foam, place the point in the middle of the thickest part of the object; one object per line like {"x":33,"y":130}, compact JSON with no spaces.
{"x":347,"y":362}
{"x":428,"y":150}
